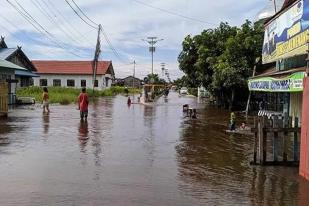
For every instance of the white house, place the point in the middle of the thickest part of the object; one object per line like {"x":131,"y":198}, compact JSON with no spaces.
{"x":75,"y":74}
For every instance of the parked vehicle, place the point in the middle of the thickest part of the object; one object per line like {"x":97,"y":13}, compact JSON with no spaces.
{"x":183,"y":90}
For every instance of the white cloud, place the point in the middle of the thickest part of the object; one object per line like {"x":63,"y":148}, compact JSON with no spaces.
{"x":125,"y":22}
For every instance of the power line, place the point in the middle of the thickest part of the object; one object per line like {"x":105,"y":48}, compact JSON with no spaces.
{"x":38,"y":5}
{"x":64,"y":19}
{"x":83,"y":13}
{"x":79,"y":15}
{"x":104,"y":34}
{"x":15,"y":26}
{"x":112,"y":47}
{"x":38,"y":26}
{"x":173,"y":13}
{"x":103,"y":31}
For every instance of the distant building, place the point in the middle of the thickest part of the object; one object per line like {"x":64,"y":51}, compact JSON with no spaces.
{"x":131,"y":81}
{"x":75,"y":74}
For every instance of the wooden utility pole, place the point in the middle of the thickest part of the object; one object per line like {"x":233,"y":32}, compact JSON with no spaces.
{"x":96,"y":57}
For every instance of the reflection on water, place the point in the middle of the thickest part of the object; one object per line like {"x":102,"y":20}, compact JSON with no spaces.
{"x":83,"y":134}
{"x":137,"y":155}
{"x":213,"y":164}
{"x":46,"y":122}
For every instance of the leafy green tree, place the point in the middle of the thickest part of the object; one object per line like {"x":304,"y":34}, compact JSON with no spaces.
{"x":154,"y":79}
{"x":222,"y":59}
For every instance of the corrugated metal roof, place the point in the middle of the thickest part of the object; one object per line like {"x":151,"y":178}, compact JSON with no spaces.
{"x":25,"y":73}
{"x":6,"y":52}
{"x":273,"y":73}
{"x":9,"y":65}
{"x":70,"y":67}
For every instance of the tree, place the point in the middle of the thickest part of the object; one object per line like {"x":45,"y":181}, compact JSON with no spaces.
{"x":154,"y":79}
{"x":222,"y":59}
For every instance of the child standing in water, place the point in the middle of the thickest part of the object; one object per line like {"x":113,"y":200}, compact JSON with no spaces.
{"x":45,"y":98}
{"x":232,"y":121}
{"x":83,"y":104}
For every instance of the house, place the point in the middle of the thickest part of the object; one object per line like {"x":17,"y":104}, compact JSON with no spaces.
{"x":75,"y":74}
{"x":16,"y":69}
{"x":131,"y":81}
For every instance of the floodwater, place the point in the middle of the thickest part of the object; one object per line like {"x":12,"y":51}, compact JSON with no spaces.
{"x":137,"y":155}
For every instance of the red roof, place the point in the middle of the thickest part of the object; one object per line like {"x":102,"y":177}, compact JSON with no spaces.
{"x":70,"y":67}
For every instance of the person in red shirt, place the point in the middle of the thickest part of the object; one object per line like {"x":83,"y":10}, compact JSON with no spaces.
{"x":83,"y":104}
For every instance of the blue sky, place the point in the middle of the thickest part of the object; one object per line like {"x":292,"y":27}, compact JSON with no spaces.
{"x":125,"y":22}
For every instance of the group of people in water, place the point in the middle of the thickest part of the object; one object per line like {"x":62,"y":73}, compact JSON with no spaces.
{"x":232,"y":123}
{"x":82,"y":101}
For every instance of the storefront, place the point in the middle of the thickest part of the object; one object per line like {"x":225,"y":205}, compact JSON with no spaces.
{"x":280,"y":88}
{"x":279,"y":92}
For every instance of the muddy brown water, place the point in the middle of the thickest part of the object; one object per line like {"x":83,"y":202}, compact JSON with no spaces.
{"x":137,"y":155}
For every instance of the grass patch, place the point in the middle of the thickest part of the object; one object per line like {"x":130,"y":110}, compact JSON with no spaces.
{"x":69,"y":95}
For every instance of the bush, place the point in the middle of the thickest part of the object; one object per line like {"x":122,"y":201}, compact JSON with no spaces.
{"x":68,"y":95}
{"x":193,"y":91}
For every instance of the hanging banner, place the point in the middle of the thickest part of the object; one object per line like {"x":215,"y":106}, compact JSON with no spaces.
{"x":287,"y":35}
{"x":292,"y":83}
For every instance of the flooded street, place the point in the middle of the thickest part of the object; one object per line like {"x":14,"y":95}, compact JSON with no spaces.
{"x":138,"y":155}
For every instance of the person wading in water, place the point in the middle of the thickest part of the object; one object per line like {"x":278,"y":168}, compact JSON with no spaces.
{"x":45,"y":98}
{"x":83,"y":104}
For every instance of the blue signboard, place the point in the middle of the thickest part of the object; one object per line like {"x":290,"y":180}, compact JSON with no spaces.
{"x":287,"y":35}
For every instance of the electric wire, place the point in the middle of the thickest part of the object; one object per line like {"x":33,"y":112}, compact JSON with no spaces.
{"x":38,"y":26}
{"x":69,"y":25}
{"x":80,"y":15}
{"x":103,"y":30}
{"x":38,"y":5}
{"x":84,"y":13}
{"x":174,"y":13}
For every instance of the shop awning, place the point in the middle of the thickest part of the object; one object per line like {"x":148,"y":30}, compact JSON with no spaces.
{"x":25,"y":73}
{"x":284,"y":83}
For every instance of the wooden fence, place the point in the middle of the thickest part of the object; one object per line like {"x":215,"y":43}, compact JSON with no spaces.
{"x":3,"y":98}
{"x":276,"y":137}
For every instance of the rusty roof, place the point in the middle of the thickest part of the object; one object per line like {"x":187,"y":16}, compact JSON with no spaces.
{"x":71,"y":67}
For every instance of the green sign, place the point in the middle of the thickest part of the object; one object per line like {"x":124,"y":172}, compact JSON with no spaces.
{"x":292,"y":83}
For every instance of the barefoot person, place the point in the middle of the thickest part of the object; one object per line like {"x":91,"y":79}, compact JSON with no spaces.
{"x":83,"y":104}
{"x":45,"y":98}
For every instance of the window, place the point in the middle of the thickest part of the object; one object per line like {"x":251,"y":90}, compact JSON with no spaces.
{"x":83,"y":83}
{"x":96,"y":83}
{"x":57,"y":82}
{"x":43,"y":82}
{"x":71,"y":83}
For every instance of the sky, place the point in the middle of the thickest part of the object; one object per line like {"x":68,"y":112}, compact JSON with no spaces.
{"x":51,"y":30}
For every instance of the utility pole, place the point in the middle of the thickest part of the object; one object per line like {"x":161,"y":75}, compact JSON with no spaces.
{"x":96,"y":58}
{"x":162,"y":68}
{"x":275,"y":5}
{"x":134,"y":63}
{"x":152,"y":41}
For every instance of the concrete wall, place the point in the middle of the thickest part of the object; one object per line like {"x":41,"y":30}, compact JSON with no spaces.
{"x":304,"y":143}
{"x":102,"y":84}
